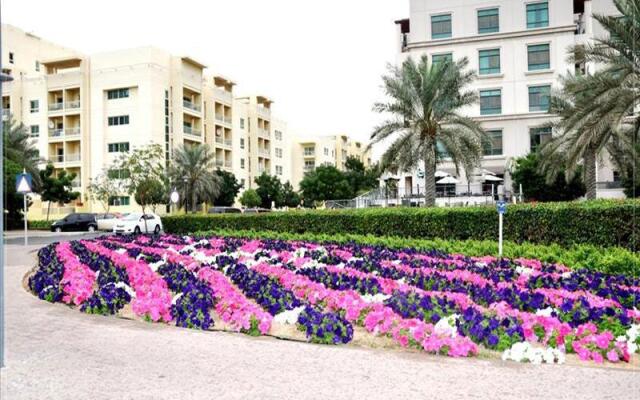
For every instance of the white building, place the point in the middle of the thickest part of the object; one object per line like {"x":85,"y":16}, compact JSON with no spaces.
{"x":519,"y":50}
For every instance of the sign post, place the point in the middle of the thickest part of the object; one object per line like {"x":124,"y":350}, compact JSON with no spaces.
{"x":23,"y":185}
{"x":502,"y":209}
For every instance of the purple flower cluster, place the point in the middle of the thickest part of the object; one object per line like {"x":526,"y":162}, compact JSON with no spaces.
{"x":45,"y":283}
{"x":326,"y":328}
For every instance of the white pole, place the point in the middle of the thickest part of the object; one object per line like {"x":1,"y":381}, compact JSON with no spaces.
{"x":500,"y":234}
{"x":24,"y":197}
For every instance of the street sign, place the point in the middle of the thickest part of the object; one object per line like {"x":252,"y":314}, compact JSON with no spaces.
{"x":420,"y":174}
{"x":23,"y":183}
{"x":502,"y":207}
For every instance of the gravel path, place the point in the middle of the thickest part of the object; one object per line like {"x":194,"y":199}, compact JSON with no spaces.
{"x":57,"y":353}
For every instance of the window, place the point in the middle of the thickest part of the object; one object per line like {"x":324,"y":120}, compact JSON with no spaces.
{"x":118,"y":174}
{"x":489,"y":21}
{"x":117,"y":93}
{"x":35,"y":106}
{"x":489,"y":62}
{"x":37,"y":66}
{"x":493,"y":147}
{"x":438,"y":58}
{"x":326,"y":151}
{"x":538,"y":57}
{"x":309,"y":151}
{"x":309,"y":165}
{"x":242,"y":163}
{"x":11,"y":60}
{"x":242,"y":143}
{"x":441,"y":26}
{"x":539,"y":136}
{"x":241,"y":123}
{"x":278,"y":135}
{"x":119,"y":120}
{"x":490,"y":102}
{"x":118,"y":147}
{"x":119,"y":200}
{"x":278,"y":152}
{"x":441,"y":150}
{"x":278,"y":169}
{"x":537,"y":15}
{"x":34,"y":131}
{"x":539,"y":98}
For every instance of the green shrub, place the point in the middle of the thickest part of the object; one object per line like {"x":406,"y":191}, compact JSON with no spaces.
{"x":601,"y":223}
{"x":612,"y":260}
{"x":40,"y":225}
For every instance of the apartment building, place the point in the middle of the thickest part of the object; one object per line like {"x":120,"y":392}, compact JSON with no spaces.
{"x":519,"y":50}
{"x":310,"y":152}
{"x":84,"y":111}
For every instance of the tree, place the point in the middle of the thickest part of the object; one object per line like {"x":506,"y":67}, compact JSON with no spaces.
{"x":139,"y":166}
{"x":425,"y":100}
{"x":625,"y":155}
{"x":269,"y":189}
{"x":20,"y":149}
{"x":289,"y":196}
{"x":361,"y":178}
{"x":56,"y":188}
{"x":229,"y":188}
{"x":536,"y":187}
{"x":13,"y":201}
{"x":102,"y":189}
{"x":193,"y":175}
{"x":250,"y":198}
{"x":150,"y":192}
{"x":595,"y":109}
{"x":326,"y":182}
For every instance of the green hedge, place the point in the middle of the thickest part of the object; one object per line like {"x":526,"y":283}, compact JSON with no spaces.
{"x":613,"y":260}
{"x":601,"y":223}
{"x":40,"y":225}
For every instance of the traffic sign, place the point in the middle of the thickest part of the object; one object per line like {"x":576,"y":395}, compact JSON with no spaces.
{"x":502,"y":207}
{"x":23,"y":183}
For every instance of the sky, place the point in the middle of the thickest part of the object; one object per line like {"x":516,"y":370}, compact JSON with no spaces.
{"x":320,"y":61}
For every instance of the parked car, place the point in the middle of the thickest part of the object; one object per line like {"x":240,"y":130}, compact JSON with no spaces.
{"x":137,"y":223}
{"x":76,"y":222}
{"x":256,"y":210}
{"x":224,"y":210}
{"x":107,"y":221}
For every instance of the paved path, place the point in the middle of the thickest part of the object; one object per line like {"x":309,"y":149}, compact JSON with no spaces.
{"x":58,"y":353}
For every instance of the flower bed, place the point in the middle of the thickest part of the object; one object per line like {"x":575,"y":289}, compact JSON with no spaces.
{"x":330,"y":293}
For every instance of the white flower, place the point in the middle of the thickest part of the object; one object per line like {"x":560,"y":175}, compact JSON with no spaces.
{"x":288,"y":317}
{"x":121,"y":251}
{"x":481,"y":264}
{"x":524,"y":351}
{"x":447,"y":326}
{"x":546,"y":312}
{"x":376,"y":298}
{"x":567,"y":274}
{"x":175,"y":298}
{"x":524,"y":270}
{"x":127,"y":288}
{"x":154,"y":266}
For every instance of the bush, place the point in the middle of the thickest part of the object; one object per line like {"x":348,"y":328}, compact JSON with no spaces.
{"x":40,"y":225}
{"x":613,"y":260}
{"x":600,"y":223}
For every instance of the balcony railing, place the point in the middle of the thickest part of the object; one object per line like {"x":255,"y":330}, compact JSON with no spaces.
{"x":609,"y":185}
{"x":227,"y":164}
{"x":5,"y":113}
{"x":264,"y":133}
{"x":219,"y":163}
{"x":56,"y":158}
{"x":264,"y":113}
{"x":192,"y":131}
{"x":223,"y":95}
{"x":227,"y":142}
{"x":191,"y":106}
{"x":75,"y":131}
{"x":75,"y":104}
{"x":75,"y":183}
{"x":72,"y":157}
{"x":56,"y":133}
{"x":219,"y":140}
{"x":309,"y":153}
{"x":264,"y":153}
{"x":56,"y":106}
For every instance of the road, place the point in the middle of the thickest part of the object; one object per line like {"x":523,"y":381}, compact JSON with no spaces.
{"x":54,"y":352}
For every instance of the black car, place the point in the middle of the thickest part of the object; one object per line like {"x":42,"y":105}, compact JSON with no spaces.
{"x":76,"y":222}
{"x":224,"y":210}
{"x":256,"y":210}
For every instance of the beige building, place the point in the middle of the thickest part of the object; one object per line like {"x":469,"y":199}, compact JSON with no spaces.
{"x":84,"y":111}
{"x":308,"y":153}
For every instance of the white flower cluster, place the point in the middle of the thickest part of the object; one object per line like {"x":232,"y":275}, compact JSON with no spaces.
{"x":121,"y":251}
{"x":300,"y":252}
{"x":524,"y":270}
{"x":175,"y":298}
{"x":546,"y":312}
{"x":524,"y":351}
{"x":127,"y":288}
{"x":447,"y":326}
{"x":630,"y":336}
{"x":289,"y":317}
{"x":154,"y":266}
{"x":203,"y":258}
{"x":376,"y":298}
{"x":312,"y":264}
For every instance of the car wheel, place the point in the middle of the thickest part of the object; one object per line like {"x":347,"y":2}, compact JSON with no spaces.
{"x":92,"y":228}
{"x":137,"y":231}
{"x":58,"y":229}
{"x":157,"y":230}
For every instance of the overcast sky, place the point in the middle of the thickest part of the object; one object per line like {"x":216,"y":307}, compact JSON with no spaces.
{"x":321,"y":61}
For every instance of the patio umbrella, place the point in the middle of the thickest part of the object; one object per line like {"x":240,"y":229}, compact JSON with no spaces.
{"x":441,"y":174}
{"x":449,"y":180}
{"x":491,"y":178}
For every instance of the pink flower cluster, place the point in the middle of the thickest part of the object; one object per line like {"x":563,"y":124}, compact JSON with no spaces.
{"x":591,"y":345}
{"x":78,"y":279}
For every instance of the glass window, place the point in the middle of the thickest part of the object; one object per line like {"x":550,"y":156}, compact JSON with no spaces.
{"x":437,"y":58}
{"x":35,"y":131}
{"x":117,"y":93}
{"x":537,"y":15}
{"x":493,"y":147}
{"x":326,"y":151}
{"x":309,"y":165}
{"x":278,"y":135}
{"x":242,"y":143}
{"x":241,"y":123}
{"x":539,"y":98}
{"x":539,"y":136}
{"x":489,"y":21}
{"x":309,"y":151}
{"x":278,"y":152}
{"x":278,"y":169}
{"x":441,"y":26}
{"x":118,"y":174}
{"x":490,"y":102}
{"x":118,"y":120}
{"x":242,"y":163}
{"x":538,"y":57}
{"x":37,"y":66}
{"x":11,"y":59}
{"x":118,"y":147}
{"x":489,"y":62}
{"x":441,"y":150}
{"x":119,"y":200}
{"x":35,"y":106}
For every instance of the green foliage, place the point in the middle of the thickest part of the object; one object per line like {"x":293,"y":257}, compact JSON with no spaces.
{"x":20,"y":149}
{"x":229,"y":188}
{"x":325,"y":182}
{"x":150,"y":192}
{"x":614,"y":260}
{"x":250,"y":198}
{"x":13,"y":201}
{"x":192,"y":174}
{"x":600,"y":223}
{"x":57,"y":187}
{"x":141,"y":166}
{"x":102,"y":188}
{"x":40,"y":225}
{"x":269,"y":189}
{"x":289,"y":196}
{"x":535,"y":187}
{"x":360,"y":178}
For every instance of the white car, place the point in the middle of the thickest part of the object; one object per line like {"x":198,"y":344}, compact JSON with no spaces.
{"x":106,"y":222}
{"x":138,"y":223}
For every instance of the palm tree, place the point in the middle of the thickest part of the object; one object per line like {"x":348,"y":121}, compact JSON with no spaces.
{"x":19,"y":148}
{"x":192,"y":173}
{"x":596,"y":109}
{"x":425,"y":101}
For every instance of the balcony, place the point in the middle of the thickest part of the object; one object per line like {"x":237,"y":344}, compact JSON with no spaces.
{"x":191,"y":131}
{"x":219,"y":163}
{"x":227,"y":164}
{"x":263,"y":133}
{"x":72,"y":105}
{"x":191,"y":106}
{"x":53,"y":107}
{"x":72,"y":132}
{"x":223,"y":142}
{"x":6,"y":113}
{"x":56,"y":133}
{"x":264,"y":113}
{"x":609,"y":185}
{"x":68,"y":133}
{"x":221,"y":118}
{"x":75,"y":183}
{"x":223,"y":95}
{"x":56,"y":158}
{"x":73,"y":157}
{"x":264,"y":153}
{"x":310,"y":154}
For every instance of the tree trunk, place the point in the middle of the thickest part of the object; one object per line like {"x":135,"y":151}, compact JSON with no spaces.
{"x":193,"y":202}
{"x":48,"y":209}
{"x":590,"y":172}
{"x":429,"y":176}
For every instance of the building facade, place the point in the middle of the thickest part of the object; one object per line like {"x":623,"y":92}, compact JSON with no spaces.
{"x":518,"y":49}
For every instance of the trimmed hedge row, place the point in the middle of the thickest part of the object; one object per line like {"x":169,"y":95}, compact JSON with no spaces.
{"x":601,"y":223}
{"x":612,"y":260}
{"x":40,"y":225}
